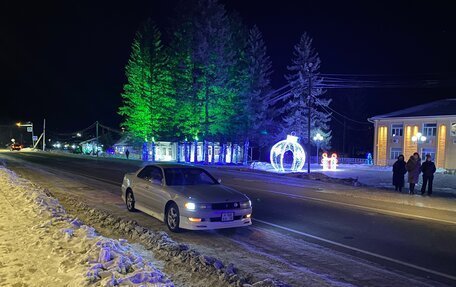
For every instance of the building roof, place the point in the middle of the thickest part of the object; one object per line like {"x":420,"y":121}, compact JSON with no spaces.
{"x":88,"y":141}
{"x":445,"y":107}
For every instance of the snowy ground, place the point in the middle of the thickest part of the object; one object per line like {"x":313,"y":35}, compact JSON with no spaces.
{"x":41,"y":245}
{"x":375,"y":176}
{"x":257,"y":250}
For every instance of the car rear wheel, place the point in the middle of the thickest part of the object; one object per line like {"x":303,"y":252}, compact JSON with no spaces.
{"x":172,"y":218}
{"x":130,"y":201}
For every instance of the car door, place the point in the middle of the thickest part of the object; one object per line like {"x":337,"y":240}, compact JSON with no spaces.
{"x":141,"y":187}
{"x":155,"y":196}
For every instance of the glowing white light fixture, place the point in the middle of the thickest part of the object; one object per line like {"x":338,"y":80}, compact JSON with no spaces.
{"x":279,"y":149}
{"x":318,"y":137}
{"x":418,"y":138}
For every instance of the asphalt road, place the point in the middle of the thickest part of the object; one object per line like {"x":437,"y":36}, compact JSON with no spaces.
{"x":412,"y":244}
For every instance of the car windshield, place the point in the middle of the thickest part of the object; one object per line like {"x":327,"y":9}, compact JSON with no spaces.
{"x":188,"y":176}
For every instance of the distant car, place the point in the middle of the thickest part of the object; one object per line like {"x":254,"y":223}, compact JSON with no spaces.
{"x":185,"y":197}
{"x":16,"y":146}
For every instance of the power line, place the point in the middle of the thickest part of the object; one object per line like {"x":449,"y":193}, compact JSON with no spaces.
{"x":344,"y":124}
{"x":344,"y":116}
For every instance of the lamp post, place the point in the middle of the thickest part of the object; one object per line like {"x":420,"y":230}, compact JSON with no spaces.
{"x":309,"y":102}
{"x":318,"y":138}
{"x":417,"y":139}
{"x":29,"y":124}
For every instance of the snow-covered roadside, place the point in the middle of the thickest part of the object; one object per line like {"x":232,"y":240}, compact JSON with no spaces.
{"x":41,"y":245}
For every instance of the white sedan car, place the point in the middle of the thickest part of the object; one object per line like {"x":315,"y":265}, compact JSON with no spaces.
{"x":185,"y":197}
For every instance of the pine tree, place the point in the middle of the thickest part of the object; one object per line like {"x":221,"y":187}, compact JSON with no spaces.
{"x":208,"y":59}
{"x":260,"y":70}
{"x":148,"y":93}
{"x":159,"y":81}
{"x":253,"y":104}
{"x":187,"y":113}
{"x":305,"y":66}
{"x":135,"y":105}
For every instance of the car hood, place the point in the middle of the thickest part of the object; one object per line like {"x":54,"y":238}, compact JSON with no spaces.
{"x":209,"y":193}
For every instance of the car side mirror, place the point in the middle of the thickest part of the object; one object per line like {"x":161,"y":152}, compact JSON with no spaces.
{"x":219,"y":180}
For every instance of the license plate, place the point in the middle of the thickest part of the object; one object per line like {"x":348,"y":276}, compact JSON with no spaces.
{"x":229,"y":216}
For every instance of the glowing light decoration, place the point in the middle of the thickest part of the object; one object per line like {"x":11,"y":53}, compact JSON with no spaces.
{"x":279,"y":149}
{"x":329,"y":163}
{"x":334,"y":161}
{"x":325,"y":161}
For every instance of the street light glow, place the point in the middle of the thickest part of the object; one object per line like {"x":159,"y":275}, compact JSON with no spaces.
{"x":419,"y":138}
{"x":318,"y":137}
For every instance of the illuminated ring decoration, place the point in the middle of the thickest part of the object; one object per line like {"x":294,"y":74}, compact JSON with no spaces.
{"x":279,"y":149}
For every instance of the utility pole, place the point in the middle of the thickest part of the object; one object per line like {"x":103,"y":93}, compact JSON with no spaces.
{"x":96,"y":138}
{"x":44,"y":134}
{"x":308,"y":116}
{"x":343,"y":141}
{"x":33,"y":136}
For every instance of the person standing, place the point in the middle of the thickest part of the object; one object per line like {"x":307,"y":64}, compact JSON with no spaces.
{"x":127,"y":153}
{"x":413,"y":167}
{"x":428,"y":169}
{"x":399,"y":171}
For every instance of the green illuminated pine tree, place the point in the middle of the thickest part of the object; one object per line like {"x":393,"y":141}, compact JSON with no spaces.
{"x":135,"y":107}
{"x":206,"y":62}
{"x":187,"y":121}
{"x":148,"y":93}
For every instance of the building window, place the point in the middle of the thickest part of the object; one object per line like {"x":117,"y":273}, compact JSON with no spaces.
{"x":397,"y":130}
{"x":453,"y":129}
{"x":430,"y":130}
{"x":426,"y":151}
{"x":395,"y":152}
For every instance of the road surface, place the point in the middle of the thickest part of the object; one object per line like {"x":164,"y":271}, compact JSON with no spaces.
{"x":395,"y":236}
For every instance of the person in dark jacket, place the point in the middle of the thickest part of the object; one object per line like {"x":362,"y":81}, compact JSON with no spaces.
{"x":428,"y":169}
{"x":413,"y":167}
{"x":127,"y":153}
{"x":398,"y":173}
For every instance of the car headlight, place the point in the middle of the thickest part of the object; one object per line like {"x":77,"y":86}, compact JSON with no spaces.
{"x":190,"y":205}
{"x":246,"y":204}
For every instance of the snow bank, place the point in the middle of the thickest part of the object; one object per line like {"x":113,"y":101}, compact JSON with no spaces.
{"x":179,"y":258}
{"x":267,"y":167}
{"x":41,"y":245}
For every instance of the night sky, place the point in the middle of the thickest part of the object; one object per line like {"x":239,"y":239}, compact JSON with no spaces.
{"x":64,"y":60}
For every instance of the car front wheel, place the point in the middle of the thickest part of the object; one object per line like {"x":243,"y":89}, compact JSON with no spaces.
{"x":172,"y":218}
{"x":130,"y":201}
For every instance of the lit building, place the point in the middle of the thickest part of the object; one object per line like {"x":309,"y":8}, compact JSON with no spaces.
{"x":168,"y":151}
{"x":426,"y":129}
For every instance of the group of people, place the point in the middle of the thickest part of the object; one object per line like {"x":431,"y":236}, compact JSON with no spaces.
{"x":414,"y":167}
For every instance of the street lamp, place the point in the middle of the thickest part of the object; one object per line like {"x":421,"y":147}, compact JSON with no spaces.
{"x":417,"y":139}
{"x":28,"y":125}
{"x":318,"y":138}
